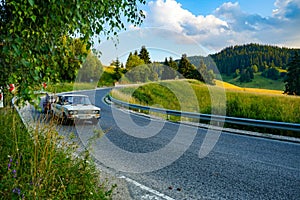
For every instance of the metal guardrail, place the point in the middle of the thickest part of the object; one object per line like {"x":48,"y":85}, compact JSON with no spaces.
{"x":216,"y":118}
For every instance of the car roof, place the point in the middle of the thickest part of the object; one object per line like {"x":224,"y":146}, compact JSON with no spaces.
{"x":73,"y":95}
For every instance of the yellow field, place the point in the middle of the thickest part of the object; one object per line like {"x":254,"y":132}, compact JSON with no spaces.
{"x":229,"y":86}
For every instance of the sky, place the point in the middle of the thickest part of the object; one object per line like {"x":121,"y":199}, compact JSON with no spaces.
{"x":201,"y":27}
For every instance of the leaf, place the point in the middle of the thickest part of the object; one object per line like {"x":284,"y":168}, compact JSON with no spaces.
{"x":31,"y":2}
{"x":33,"y":17}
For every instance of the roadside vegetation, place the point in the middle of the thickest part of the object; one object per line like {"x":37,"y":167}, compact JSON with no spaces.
{"x":240,"y":102}
{"x":40,"y":164}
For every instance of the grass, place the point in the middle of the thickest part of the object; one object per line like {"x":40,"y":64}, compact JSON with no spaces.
{"x":195,"y":96}
{"x":258,"y":82}
{"x":40,"y":164}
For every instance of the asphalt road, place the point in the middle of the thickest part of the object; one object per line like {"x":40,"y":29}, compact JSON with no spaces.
{"x":164,"y":156}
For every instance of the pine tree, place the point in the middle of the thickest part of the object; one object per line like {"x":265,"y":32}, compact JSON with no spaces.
{"x":144,"y":55}
{"x":292,"y":79}
{"x":185,"y":68}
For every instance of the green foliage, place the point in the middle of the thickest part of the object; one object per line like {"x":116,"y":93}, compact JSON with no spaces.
{"x":33,"y":167}
{"x":185,"y":68}
{"x":169,"y":69}
{"x":207,"y":76}
{"x":293,"y":76}
{"x":139,"y":74}
{"x":144,"y":55}
{"x":133,"y":61}
{"x":246,"y":75}
{"x":36,"y":37}
{"x":271,"y":73}
{"x":107,"y":77}
{"x":91,"y":69}
{"x":254,"y":68}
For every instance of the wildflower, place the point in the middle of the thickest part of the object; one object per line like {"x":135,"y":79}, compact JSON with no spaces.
{"x":14,"y":172}
{"x":17,"y":191}
{"x":9,"y":164}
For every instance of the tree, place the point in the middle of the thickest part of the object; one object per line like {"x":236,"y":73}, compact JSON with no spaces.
{"x":207,"y":76}
{"x":144,"y":55}
{"x":246,"y":75}
{"x":254,"y":68}
{"x":185,"y":68}
{"x":292,"y":79}
{"x":91,"y":69}
{"x":169,"y":69}
{"x":118,"y":73}
{"x":133,"y":61}
{"x":35,"y":36}
{"x":139,"y":73}
{"x":271,"y":73}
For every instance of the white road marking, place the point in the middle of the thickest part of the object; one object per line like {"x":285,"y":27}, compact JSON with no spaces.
{"x":161,"y":195}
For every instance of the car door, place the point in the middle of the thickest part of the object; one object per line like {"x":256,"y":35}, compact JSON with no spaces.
{"x":57,"y":107}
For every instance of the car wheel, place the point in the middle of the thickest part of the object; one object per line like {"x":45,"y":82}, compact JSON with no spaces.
{"x":65,"y":120}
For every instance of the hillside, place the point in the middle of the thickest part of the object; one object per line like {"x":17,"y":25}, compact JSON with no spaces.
{"x":250,"y":65}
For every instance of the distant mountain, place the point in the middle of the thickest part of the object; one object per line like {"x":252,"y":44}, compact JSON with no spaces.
{"x":243,"y":56}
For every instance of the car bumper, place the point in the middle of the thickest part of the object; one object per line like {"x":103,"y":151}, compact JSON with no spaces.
{"x":84,"y":117}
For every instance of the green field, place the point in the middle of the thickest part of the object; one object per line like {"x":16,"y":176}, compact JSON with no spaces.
{"x":195,"y":96}
{"x":258,"y":82}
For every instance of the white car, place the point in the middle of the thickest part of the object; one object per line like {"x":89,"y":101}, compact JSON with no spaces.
{"x":71,"y":107}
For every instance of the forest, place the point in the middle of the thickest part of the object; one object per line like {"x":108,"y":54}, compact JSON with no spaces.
{"x":244,"y":60}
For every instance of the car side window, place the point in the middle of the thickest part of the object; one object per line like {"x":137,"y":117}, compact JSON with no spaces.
{"x":59,"y":100}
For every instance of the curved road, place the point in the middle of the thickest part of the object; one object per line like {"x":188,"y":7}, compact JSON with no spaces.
{"x":238,"y":167}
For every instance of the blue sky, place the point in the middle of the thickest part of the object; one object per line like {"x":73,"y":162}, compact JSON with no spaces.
{"x":200,"y":27}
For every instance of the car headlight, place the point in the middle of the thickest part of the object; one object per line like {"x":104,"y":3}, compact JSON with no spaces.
{"x":96,"y":111}
{"x":73,"y":112}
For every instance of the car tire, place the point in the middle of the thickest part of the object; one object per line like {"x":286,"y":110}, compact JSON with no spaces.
{"x":65,"y":120}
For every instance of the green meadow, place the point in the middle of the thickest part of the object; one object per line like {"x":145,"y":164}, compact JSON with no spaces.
{"x":222,"y":99}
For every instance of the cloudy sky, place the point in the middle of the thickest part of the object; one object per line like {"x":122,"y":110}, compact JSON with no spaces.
{"x":199,"y":27}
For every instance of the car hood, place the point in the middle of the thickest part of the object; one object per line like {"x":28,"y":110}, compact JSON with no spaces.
{"x":81,"y":107}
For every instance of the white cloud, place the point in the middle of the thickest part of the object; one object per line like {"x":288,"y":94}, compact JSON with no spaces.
{"x":170,"y":15}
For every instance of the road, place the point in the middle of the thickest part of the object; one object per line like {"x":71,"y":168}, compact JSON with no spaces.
{"x":164,"y":157}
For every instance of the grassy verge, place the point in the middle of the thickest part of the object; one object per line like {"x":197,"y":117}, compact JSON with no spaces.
{"x":39,"y":164}
{"x":239,"y":102}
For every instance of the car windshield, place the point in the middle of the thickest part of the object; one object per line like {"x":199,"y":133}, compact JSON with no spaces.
{"x":77,"y":100}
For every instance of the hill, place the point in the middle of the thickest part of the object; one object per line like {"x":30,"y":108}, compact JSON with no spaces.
{"x":263,"y":56}
{"x":250,"y":65}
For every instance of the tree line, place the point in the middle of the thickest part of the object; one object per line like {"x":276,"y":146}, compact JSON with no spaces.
{"x":140,"y":68}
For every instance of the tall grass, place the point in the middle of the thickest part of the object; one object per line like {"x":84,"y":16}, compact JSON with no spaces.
{"x":238,"y":102}
{"x":39,"y":164}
